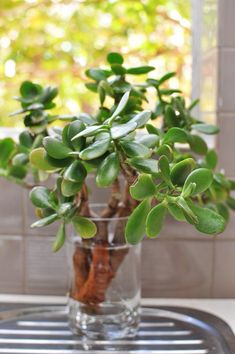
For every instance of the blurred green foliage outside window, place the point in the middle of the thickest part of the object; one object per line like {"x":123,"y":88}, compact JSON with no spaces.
{"x":54,"y":41}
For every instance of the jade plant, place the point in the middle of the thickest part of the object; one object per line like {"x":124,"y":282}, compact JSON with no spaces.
{"x":158,"y":153}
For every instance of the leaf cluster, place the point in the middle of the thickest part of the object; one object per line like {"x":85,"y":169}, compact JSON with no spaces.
{"x":160,"y":151}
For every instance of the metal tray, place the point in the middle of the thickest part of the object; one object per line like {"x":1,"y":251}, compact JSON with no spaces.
{"x":163,"y":330}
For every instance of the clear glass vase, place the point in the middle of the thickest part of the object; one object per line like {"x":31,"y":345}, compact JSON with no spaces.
{"x":104,"y":295}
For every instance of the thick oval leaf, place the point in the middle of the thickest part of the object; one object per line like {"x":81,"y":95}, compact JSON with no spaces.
{"x":170,"y":117}
{"x":85,"y":227}
{"x":202,"y":177}
{"x":45,"y":221}
{"x":65,"y":210}
{"x":38,"y":159}
{"x":144,"y":165}
{"x":69,"y":188}
{"x":143,"y":188}
{"x":118,"y":69}
{"x":75,"y":128}
{"x":7,"y":146}
{"x":115,"y":58}
{"x":164,"y":167}
{"x":223,"y":211}
{"x":197,"y":144}
{"x":20,"y":159}
{"x":59,"y":163}
{"x":188,"y":212}
{"x":176,"y":212}
{"x":39,"y":196}
{"x":60,"y":238}
{"x":165,"y":150}
{"x":139,"y":70}
{"x":108,"y":170}
{"x":26,"y":139}
{"x":18,"y":171}
{"x":135,"y":227}
{"x":120,"y":130}
{"x":209,"y":222}
{"x":206,"y":128}
{"x":175,"y":135}
{"x":89,"y":131}
{"x":29,"y":90}
{"x":56,"y":148}
{"x":150,"y":140}
{"x":122,"y":104}
{"x":211,"y":159}
{"x":96,"y":74}
{"x":97,"y":149}
{"x":141,"y":118}
{"x":76,"y":172}
{"x":181,"y":170}
{"x":133,"y":149}
{"x":166,"y":77}
{"x":155,"y":220}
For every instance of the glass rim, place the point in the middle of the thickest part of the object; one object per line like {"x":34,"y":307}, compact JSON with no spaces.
{"x":73,"y":239}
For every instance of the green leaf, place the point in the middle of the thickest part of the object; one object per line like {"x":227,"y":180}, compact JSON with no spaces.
{"x":223,"y":211}
{"x":122,"y":104}
{"x":97,"y":74}
{"x":20,"y":159}
{"x":118,"y":69}
{"x":202,"y":177}
{"x":165,"y":150}
{"x":120,"y":130}
{"x":181,"y":170}
{"x":144,"y":165}
{"x":143,"y":187}
{"x":85,"y":227}
{"x":7,"y":146}
{"x":155,"y":220}
{"x":60,"y":238}
{"x":56,"y":163}
{"x":153,"y":130}
{"x":150,"y":140}
{"x":176,"y":212}
{"x":39,"y":196}
{"x":206,"y":128}
{"x":108,"y":170}
{"x":175,"y":135}
{"x":69,"y":188}
{"x":29,"y":90}
{"x":193,"y":104}
{"x":188,"y":212}
{"x":64,"y":210}
{"x":97,"y":149}
{"x":189,"y":190}
{"x":166,"y":77}
{"x":56,"y":148}
{"x":73,"y":129}
{"x":231,"y":202}
{"x":211,"y":159}
{"x":141,"y":118}
{"x":38,"y":159}
{"x":89,"y":131}
{"x":168,"y":92}
{"x":139,"y":70}
{"x":26,"y":139}
{"x":164,"y":167}
{"x":133,"y":149}
{"x":76,"y":172}
{"x":209,"y":222}
{"x":18,"y":171}
{"x":171,"y":118}
{"x":197,"y":144}
{"x":115,"y":58}
{"x":135,"y":228}
{"x":45,"y":221}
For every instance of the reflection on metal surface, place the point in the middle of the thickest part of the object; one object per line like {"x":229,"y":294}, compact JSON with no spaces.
{"x":44,"y":330}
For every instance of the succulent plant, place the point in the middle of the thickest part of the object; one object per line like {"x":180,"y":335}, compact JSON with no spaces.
{"x":160,"y":152}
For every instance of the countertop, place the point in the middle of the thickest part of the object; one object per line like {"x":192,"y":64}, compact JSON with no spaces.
{"x":223,"y":308}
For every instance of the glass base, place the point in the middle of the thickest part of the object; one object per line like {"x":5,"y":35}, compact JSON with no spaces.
{"x":105,"y":321}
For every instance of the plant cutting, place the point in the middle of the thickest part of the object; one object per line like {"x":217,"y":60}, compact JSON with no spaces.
{"x":154,"y":161}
